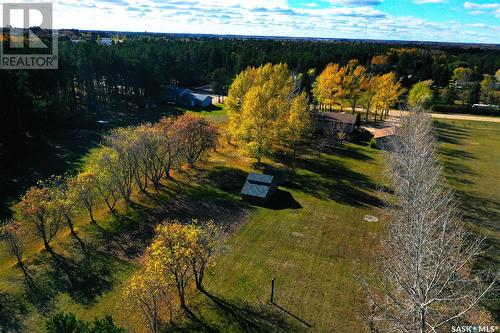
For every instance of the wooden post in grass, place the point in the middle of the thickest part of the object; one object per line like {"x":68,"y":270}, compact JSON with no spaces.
{"x":272,"y":290}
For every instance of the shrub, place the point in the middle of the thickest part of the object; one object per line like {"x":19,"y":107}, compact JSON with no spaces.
{"x":68,"y":323}
{"x":373,"y":143}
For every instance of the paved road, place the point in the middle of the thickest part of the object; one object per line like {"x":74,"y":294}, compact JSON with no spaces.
{"x":470,"y":117}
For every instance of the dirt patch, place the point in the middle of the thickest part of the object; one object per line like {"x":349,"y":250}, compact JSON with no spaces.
{"x":370,"y":218}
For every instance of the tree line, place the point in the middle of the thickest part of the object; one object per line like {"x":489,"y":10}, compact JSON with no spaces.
{"x":129,"y":158}
{"x":131,"y":74}
{"x":353,"y":85}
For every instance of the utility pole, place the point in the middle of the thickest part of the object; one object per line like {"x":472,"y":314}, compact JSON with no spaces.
{"x":272,"y":290}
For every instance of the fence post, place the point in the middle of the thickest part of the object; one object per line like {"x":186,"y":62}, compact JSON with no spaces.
{"x":272,"y":290}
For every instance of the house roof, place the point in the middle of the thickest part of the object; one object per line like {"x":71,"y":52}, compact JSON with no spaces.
{"x":341,"y":117}
{"x":260,"y":179}
{"x":384,"y":132}
{"x":258,"y":185}
{"x":255,"y":190}
{"x":184,"y":93}
{"x":200,"y":97}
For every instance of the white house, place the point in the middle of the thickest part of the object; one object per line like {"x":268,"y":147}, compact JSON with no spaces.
{"x":106,"y":41}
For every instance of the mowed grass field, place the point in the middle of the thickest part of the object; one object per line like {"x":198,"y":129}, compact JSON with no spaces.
{"x":317,"y":271}
{"x":470,"y":153}
{"x":313,"y":240}
{"x":318,"y":250}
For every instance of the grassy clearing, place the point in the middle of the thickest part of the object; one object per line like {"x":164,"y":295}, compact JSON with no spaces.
{"x":314,"y":241}
{"x":316,"y":252}
{"x":471,"y":158}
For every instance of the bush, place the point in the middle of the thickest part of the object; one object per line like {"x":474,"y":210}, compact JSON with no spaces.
{"x":68,"y":323}
{"x":373,"y":143}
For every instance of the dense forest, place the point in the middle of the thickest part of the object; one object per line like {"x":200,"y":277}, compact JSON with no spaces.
{"x":136,"y":69}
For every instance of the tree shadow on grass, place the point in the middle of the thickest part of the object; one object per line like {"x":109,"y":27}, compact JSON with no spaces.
{"x":456,"y":171}
{"x":332,"y":180}
{"x":281,"y":200}
{"x":227,"y":179}
{"x":449,"y":133}
{"x":479,"y":211}
{"x":249,"y":318}
{"x":83,"y":278}
{"x":11,"y":313}
{"x":135,"y":230}
{"x":349,"y":152}
{"x":455,"y":153}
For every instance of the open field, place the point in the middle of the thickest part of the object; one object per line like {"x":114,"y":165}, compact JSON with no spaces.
{"x":471,"y":157}
{"x":314,"y":241}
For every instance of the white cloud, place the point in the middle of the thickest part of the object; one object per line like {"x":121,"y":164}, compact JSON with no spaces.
{"x":345,"y":19}
{"x":483,"y":8}
{"x":473,"y":5}
{"x":428,"y":1}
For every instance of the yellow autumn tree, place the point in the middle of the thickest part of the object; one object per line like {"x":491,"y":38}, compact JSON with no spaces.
{"x":369,"y":93}
{"x":36,"y":210}
{"x":259,"y":104}
{"x":353,"y":82}
{"x":299,"y":122}
{"x":150,"y":299}
{"x":327,"y":89}
{"x":180,"y":253}
{"x":389,"y":91}
{"x":420,"y":94}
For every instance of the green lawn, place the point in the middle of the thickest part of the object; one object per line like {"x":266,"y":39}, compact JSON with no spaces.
{"x":316,"y":252}
{"x":314,"y":240}
{"x":471,"y":157}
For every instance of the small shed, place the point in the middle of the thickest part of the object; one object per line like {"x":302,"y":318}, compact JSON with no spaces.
{"x":384,"y":136}
{"x":259,"y":188}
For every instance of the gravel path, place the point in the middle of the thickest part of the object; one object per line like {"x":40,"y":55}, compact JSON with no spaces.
{"x":469,"y":117}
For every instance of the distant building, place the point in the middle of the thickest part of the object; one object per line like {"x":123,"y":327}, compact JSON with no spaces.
{"x":259,"y":188}
{"x":334,"y":122}
{"x":191,"y":99}
{"x":187,"y":98}
{"x":459,"y":84}
{"x":485,"y":107}
{"x":106,"y":41}
{"x":384,"y":136}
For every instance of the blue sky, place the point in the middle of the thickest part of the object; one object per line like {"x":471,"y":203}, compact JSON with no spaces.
{"x":433,"y":20}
